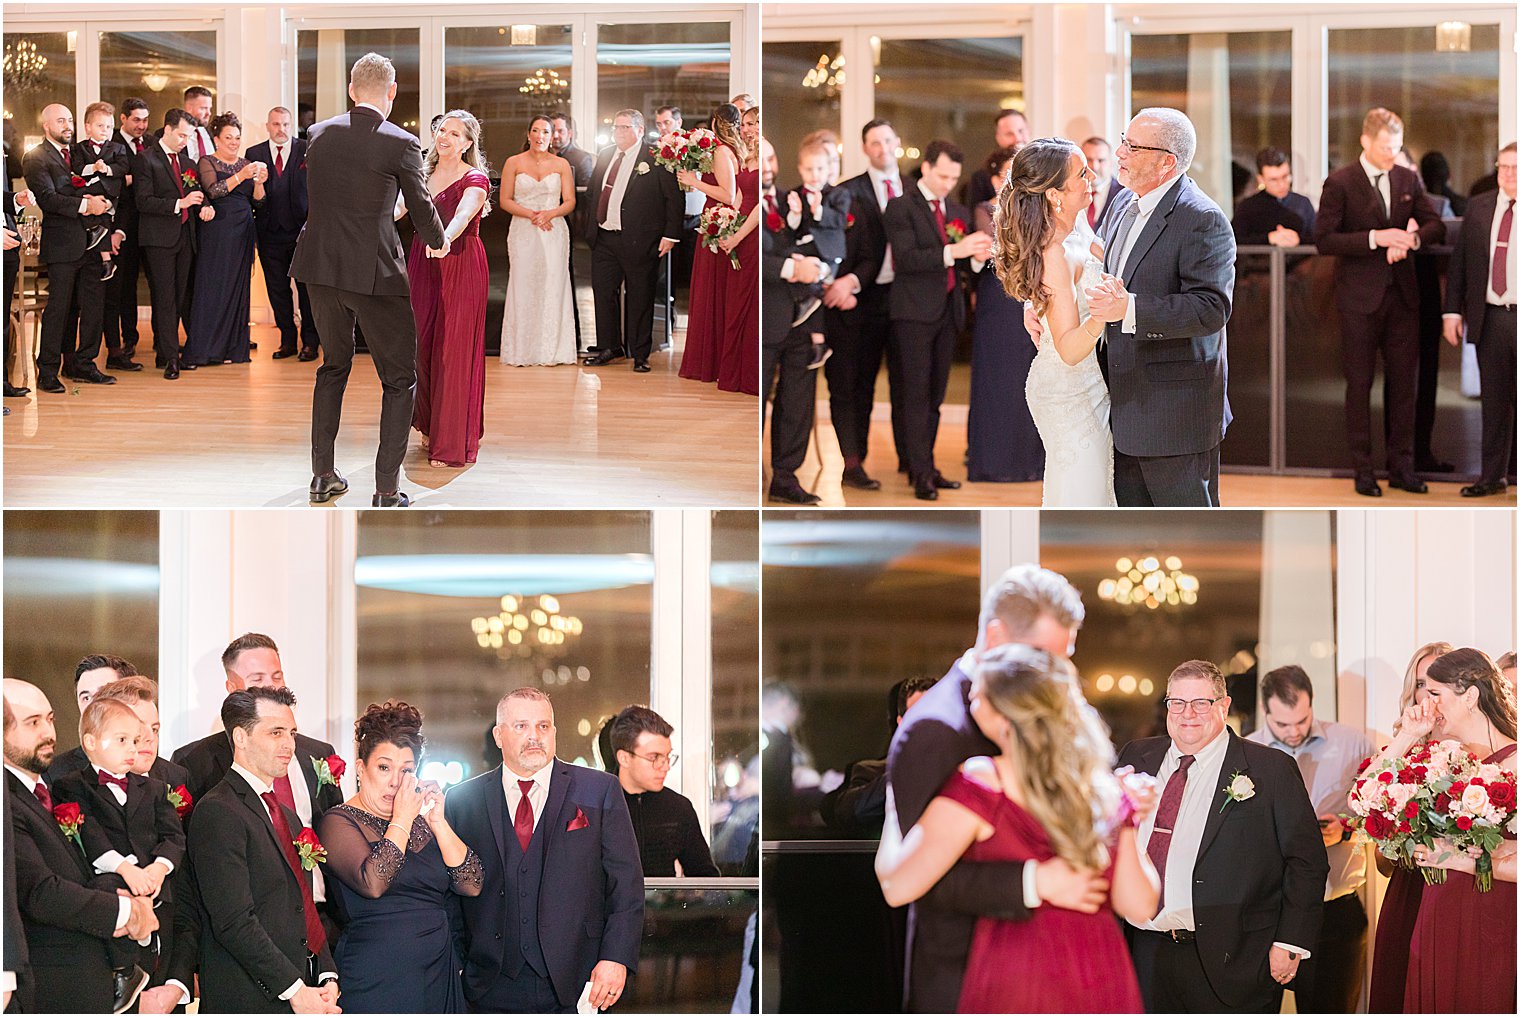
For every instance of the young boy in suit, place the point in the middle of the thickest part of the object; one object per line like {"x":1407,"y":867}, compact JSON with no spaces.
{"x":817,"y":214}
{"x":103,"y":165}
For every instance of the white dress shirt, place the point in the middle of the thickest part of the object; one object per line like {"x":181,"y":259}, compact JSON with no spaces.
{"x":1147,"y":205}
{"x":280,"y":154}
{"x":879,"y":184}
{"x":619,"y":188}
{"x":113,"y":859}
{"x":949,"y":259}
{"x":538,"y":794}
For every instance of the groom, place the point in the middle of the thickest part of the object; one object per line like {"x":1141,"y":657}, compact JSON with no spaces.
{"x":349,"y":256}
{"x":1164,"y":349}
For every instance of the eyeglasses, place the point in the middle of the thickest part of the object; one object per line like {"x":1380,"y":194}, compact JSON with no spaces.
{"x":658,"y":759}
{"x":1189,"y":705}
{"x":1125,"y":145}
{"x":1504,"y":167}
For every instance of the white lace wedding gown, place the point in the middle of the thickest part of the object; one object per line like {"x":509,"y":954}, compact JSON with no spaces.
{"x":536,"y":325}
{"x":1069,"y":404}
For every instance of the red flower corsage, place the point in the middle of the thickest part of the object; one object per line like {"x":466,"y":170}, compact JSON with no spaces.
{"x":955,"y":229}
{"x":310,"y":849}
{"x":75,"y":180}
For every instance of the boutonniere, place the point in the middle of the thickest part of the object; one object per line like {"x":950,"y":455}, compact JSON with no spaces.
{"x":190,"y":180}
{"x":773,"y":222}
{"x":1238,"y":789}
{"x":77,"y":181}
{"x":70,"y":818}
{"x":310,"y":849}
{"x":849,"y":219}
{"x":180,"y":798}
{"x":329,"y":771}
{"x":641,"y":168}
{"x":580,"y":822}
{"x":955,"y":229}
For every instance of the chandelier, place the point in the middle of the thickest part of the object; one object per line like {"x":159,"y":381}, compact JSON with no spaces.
{"x":526,"y":625}
{"x":544,"y":83}
{"x":827,"y":76}
{"x":155,"y":78}
{"x":1453,"y":37}
{"x":23,"y":65}
{"x":1148,"y":582}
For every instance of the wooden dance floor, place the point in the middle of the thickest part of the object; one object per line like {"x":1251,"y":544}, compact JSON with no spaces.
{"x":239,"y":435}
{"x":820,"y":474}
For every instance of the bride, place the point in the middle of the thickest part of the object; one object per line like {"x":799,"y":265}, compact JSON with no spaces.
{"x":537,"y":326}
{"x":1044,"y":257}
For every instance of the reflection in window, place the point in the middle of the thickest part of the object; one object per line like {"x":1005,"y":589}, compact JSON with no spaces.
{"x":947,"y":88}
{"x":643,"y":66}
{"x":324,"y":58}
{"x":505,"y":75}
{"x":735,"y":688}
{"x":803,"y":82}
{"x":39,"y":69}
{"x":1236,"y":87}
{"x":855,"y":602}
{"x":692,"y":950}
{"x":457,"y":608}
{"x":1448,"y":101}
{"x":78,"y":583}
{"x":157,"y":67}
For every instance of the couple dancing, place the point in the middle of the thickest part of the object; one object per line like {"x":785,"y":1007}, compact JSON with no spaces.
{"x":1017,"y":841}
{"x":1128,"y":387}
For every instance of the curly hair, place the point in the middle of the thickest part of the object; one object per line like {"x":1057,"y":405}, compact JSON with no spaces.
{"x":1024,"y":224}
{"x":222,"y":121}
{"x":392,"y":721}
{"x":725,"y":123}
{"x":1464,"y":668}
{"x":1062,"y":748}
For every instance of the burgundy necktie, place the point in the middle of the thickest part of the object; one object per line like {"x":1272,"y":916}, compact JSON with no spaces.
{"x":316,"y":936}
{"x":106,"y":778}
{"x":1500,"y":274}
{"x":43,"y":795}
{"x":179,"y":181}
{"x":939,"y":224}
{"x":1092,"y":214}
{"x":279,"y":162}
{"x":1166,"y":819}
{"x":770,"y":204}
{"x":522,"y":819}
{"x":284,"y":794}
{"x":604,"y":200}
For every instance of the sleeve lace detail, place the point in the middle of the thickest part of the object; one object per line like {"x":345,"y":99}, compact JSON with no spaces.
{"x":364,"y":866}
{"x":469,"y":876}
{"x":210,"y":182}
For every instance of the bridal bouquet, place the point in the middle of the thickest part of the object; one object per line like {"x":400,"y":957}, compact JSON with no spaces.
{"x":687,"y":150}
{"x":1438,"y":790}
{"x":718,"y":223}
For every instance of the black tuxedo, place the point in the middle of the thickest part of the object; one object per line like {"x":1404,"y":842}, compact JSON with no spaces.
{"x":76,"y":294}
{"x":784,"y":355}
{"x":254,"y":945}
{"x":349,"y":256}
{"x":934,"y":738}
{"x":146,"y":826}
{"x":1490,"y":327}
{"x":1259,"y":878}
{"x":75,"y":761}
{"x":927,"y":315}
{"x":590,"y":904}
{"x":67,"y":923}
{"x":209,"y":759}
{"x":628,"y":259}
{"x":167,"y":242}
{"x":16,"y":961}
{"x":279,"y":220}
{"x":121,"y":288}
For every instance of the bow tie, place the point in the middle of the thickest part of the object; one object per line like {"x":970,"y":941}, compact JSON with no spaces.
{"x":106,"y":778}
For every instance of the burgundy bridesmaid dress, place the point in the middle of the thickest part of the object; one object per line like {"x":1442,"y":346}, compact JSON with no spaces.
{"x":739,"y":359}
{"x":707,"y":317}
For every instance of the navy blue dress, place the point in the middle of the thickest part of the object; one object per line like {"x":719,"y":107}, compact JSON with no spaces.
{"x":396,"y":954}
{"x":1002,"y":445}
{"x":218,"y":328}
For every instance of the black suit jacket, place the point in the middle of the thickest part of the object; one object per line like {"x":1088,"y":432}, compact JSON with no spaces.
{"x":1258,"y":215}
{"x":126,"y":212}
{"x":155,"y":191}
{"x":12,"y":257}
{"x":935,"y":737}
{"x":285,"y":206}
{"x":147,"y":826}
{"x":253,"y":945}
{"x":75,"y":761}
{"x":1472,"y":262}
{"x":116,"y":157}
{"x":209,"y":759}
{"x":1348,"y":208}
{"x":581,"y":163}
{"x":67,"y":923}
{"x":47,"y":175}
{"x":1260,"y":873}
{"x":14,"y":933}
{"x":865,"y":246}
{"x":918,"y":283}
{"x":652,"y":208}
{"x":776,"y":303}
{"x":356,"y":164}
{"x":591,"y":899}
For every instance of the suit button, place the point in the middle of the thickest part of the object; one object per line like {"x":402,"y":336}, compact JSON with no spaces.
{"x":523,"y":895}
{"x":502,"y":894}
{"x":525,"y":919}
{"x":498,"y":935}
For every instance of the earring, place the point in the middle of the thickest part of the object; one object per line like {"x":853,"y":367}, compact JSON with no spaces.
{"x":1058,"y":206}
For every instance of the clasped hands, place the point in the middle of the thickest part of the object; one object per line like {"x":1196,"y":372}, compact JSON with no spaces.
{"x":441,"y":252}
{"x":1397,"y":243}
{"x":544,"y":219}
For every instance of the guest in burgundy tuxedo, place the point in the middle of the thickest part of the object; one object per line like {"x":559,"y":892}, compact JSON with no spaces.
{"x":563,"y":902}
{"x":1364,"y":213}
{"x":1480,"y":301}
{"x":121,"y":288}
{"x":279,"y":220}
{"x":928,"y":306}
{"x":264,"y":948}
{"x":167,"y":212}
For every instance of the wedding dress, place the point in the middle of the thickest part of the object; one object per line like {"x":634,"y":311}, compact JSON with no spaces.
{"x":1069,"y":404}
{"x":537,"y":326}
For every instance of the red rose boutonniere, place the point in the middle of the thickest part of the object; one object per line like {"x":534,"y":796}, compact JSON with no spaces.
{"x":955,"y":229}
{"x":77,"y":181}
{"x":310,"y":849}
{"x":329,"y":770}
{"x":849,"y":219}
{"x":180,"y":798}
{"x":190,"y":180}
{"x":70,"y":818}
{"x":773,"y":222}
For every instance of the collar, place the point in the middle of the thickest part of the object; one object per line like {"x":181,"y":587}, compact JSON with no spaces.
{"x":1373,"y":172}
{"x":259,"y":787}
{"x":929,"y":195}
{"x":31,"y":780}
{"x":108,"y":773}
{"x":171,"y":153}
{"x":620,"y":151}
{"x":370,"y":105}
{"x":541,"y":778}
{"x":62,"y":150}
{"x":1211,"y":755}
{"x":1316,"y":733}
{"x":877,"y":176}
{"x":1149,"y":202}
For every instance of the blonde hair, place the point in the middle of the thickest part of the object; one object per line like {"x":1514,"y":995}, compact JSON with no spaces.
{"x":1380,"y":119}
{"x":1424,"y":653}
{"x":1061,"y":747}
{"x":371,"y":76}
{"x":472,"y":157}
{"x":131,"y":689}
{"x":101,"y":712}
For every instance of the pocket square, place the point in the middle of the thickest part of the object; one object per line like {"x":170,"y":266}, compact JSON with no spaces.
{"x":580,"y":822}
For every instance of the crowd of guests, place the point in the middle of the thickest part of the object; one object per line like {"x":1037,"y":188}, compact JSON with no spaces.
{"x":837,"y":258}
{"x":237,"y":873}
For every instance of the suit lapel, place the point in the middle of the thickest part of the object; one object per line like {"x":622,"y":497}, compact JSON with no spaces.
{"x":309,"y":773}
{"x":255,"y":804}
{"x":1155,"y":224}
{"x":1111,"y":219}
{"x":138,"y":796}
{"x":496,"y":810}
{"x":23,"y":797}
{"x":1234,"y":762}
{"x":559,"y":789}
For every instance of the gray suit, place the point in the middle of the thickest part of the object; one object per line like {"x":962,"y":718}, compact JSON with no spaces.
{"x":1167,"y":379}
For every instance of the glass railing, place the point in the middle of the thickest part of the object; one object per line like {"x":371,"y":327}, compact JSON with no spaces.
{"x":697,"y":946}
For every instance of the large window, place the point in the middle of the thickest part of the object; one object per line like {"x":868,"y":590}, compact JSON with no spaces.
{"x":157,"y":67}
{"x":39,"y":68}
{"x":644,"y":66}
{"x":505,"y":75}
{"x":1236,"y":87}
{"x":325,"y":56}
{"x":803,"y":83}
{"x":735,"y":576}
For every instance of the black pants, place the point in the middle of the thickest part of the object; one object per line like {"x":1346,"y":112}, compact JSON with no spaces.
{"x":1172,"y":979}
{"x":1496,"y":372}
{"x":72,"y":320}
{"x":169,"y":284}
{"x":528,"y":992}
{"x":275,"y":254}
{"x":121,"y":300}
{"x":1167,"y":481}
{"x":390,"y":332}
{"x":924,"y":352}
{"x":575,"y":309}
{"x":12,"y":267}
{"x":859,"y":340}
{"x":1393,"y":331}
{"x":1330,"y":981}
{"x":796,"y":392}
{"x":626,"y":264}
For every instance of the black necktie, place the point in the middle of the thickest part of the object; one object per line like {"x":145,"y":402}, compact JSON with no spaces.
{"x":1377,"y":185}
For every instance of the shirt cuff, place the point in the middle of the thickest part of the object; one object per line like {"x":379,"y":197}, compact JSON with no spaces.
{"x":184,"y":993}
{"x":84,"y":203}
{"x":1451,"y":315}
{"x":8,"y":981}
{"x":673,"y":240}
{"x":949,"y":258}
{"x":977,"y":264}
{"x":1302,"y":953}
{"x":327,"y":976}
{"x":854,"y":284}
{"x":295,"y":987}
{"x":109,"y":862}
{"x":1372,"y":240}
{"x":788,"y":267}
{"x":1031,"y":892}
{"x":123,"y":911}
{"x":1129,"y":317}
{"x":165,"y":863}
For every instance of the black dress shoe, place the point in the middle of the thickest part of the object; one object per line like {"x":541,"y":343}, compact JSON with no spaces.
{"x":1482,"y":490}
{"x":1367,"y":486}
{"x":641,"y":366}
{"x":397,"y":500}
{"x":121,"y":362}
{"x":185,"y":365}
{"x":253,"y":346}
{"x":924,"y":490}
{"x":281,"y":354}
{"x":93,"y":376}
{"x":93,"y":236}
{"x":605,"y":357}
{"x":856,"y":477}
{"x":792,"y":495}
{"x":1430,"y":464}
{"x":171,"y":371}
{"x":50,"y":385}
{"x":126,"y":985}
{"x":326,"y":488}
{"x":307,"y":354}
{"x":944,"y":484}
{"x":15,"y":391}
{"x":1414,"y":485}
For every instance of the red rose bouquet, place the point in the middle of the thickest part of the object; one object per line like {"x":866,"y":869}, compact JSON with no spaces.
{"x":70,"y":818}
{"x":329,"y":770}
{"x":718,"y":223}
{"x":687,"y":150}
{"x":180,"y":798}
{"x":310,"y":849}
